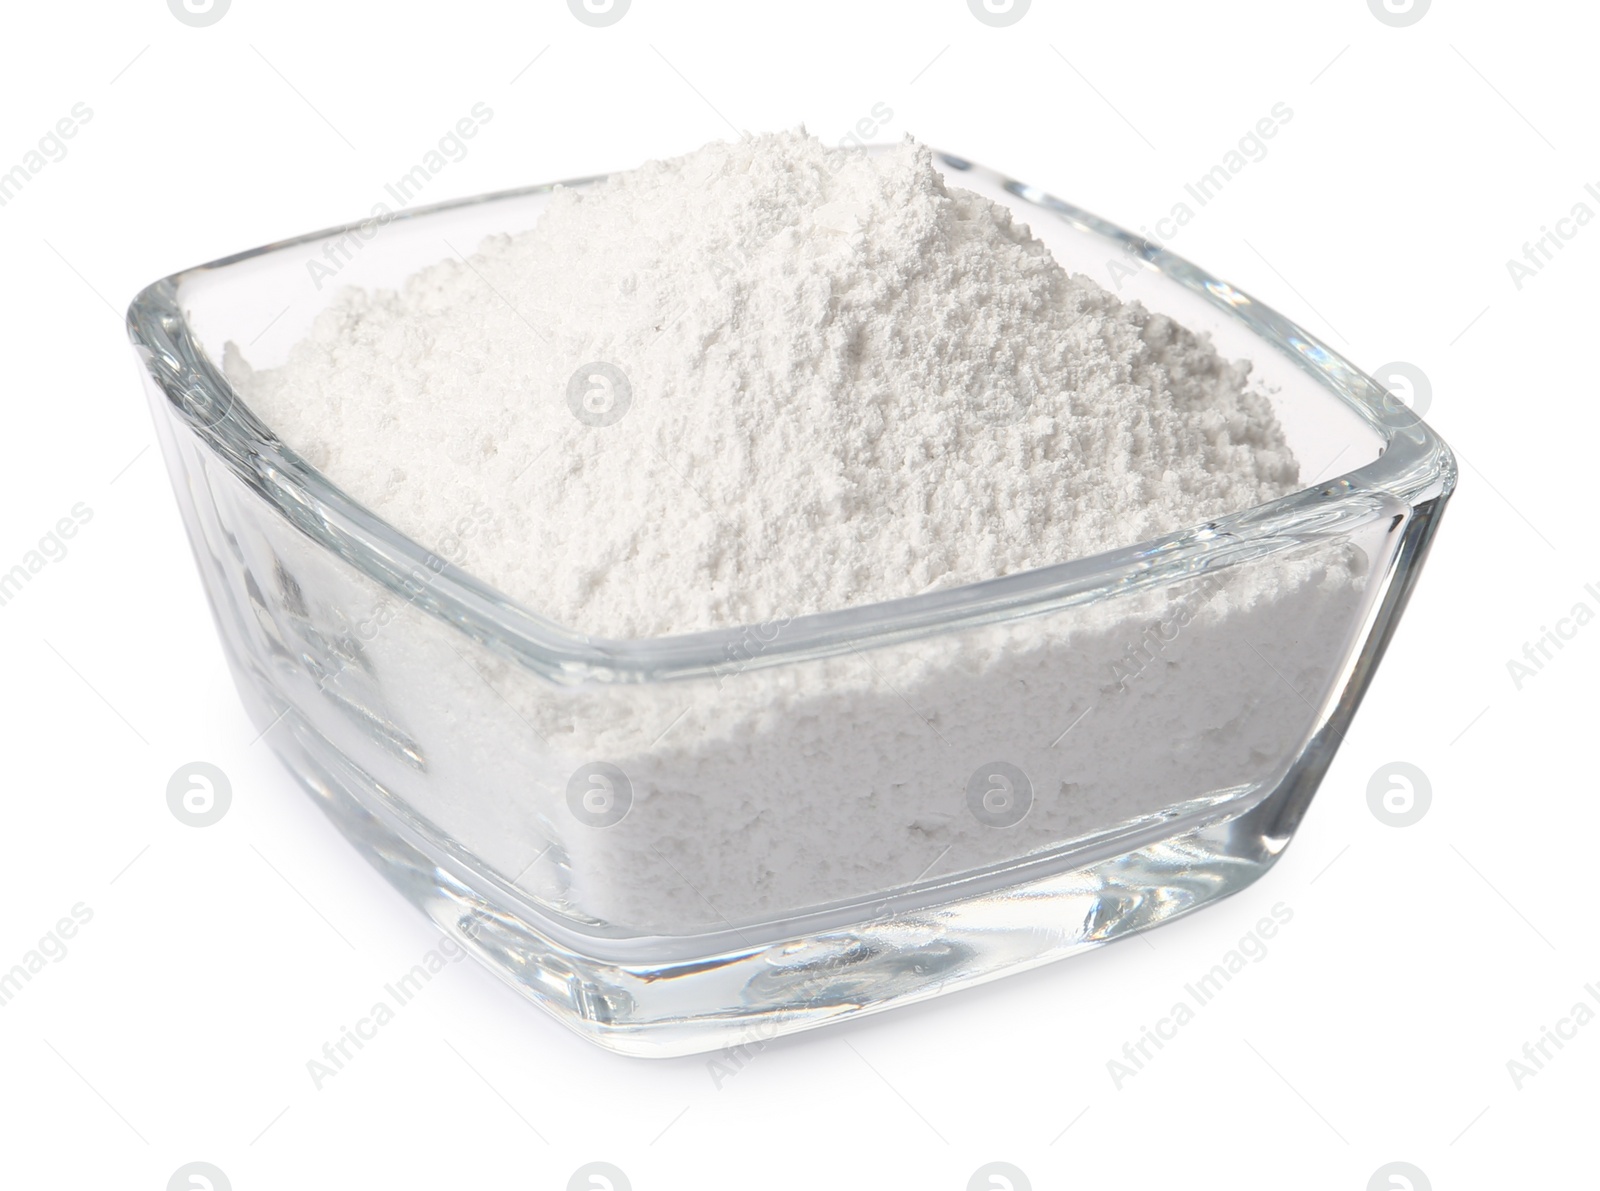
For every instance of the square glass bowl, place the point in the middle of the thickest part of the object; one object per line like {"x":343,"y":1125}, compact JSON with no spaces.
{"x":680,"y":844}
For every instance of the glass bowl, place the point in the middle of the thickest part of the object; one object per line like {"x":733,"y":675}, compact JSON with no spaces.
{"x":680,"y":844}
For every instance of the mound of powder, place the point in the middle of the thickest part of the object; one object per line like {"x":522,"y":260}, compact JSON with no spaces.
{"x":766,"y":379}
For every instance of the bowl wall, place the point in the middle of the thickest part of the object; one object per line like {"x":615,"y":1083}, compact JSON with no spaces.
{"x":684,"y":844}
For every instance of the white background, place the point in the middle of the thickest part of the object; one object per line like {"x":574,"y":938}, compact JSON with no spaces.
{"x":1419,"y":960}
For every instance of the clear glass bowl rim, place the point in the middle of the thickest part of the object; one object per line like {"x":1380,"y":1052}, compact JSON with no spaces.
{"x":1414,"y":465}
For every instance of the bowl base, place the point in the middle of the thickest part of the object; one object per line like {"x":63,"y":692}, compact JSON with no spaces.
{"x":739,"y":998}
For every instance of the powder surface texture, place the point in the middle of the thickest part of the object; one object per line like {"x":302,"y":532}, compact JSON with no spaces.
{"x":766,"y":379}
{"x":763,"y":380}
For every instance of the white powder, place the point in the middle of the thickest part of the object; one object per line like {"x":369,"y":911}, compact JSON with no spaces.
{"x":845,"y":382}
{"x":848,"y":383}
